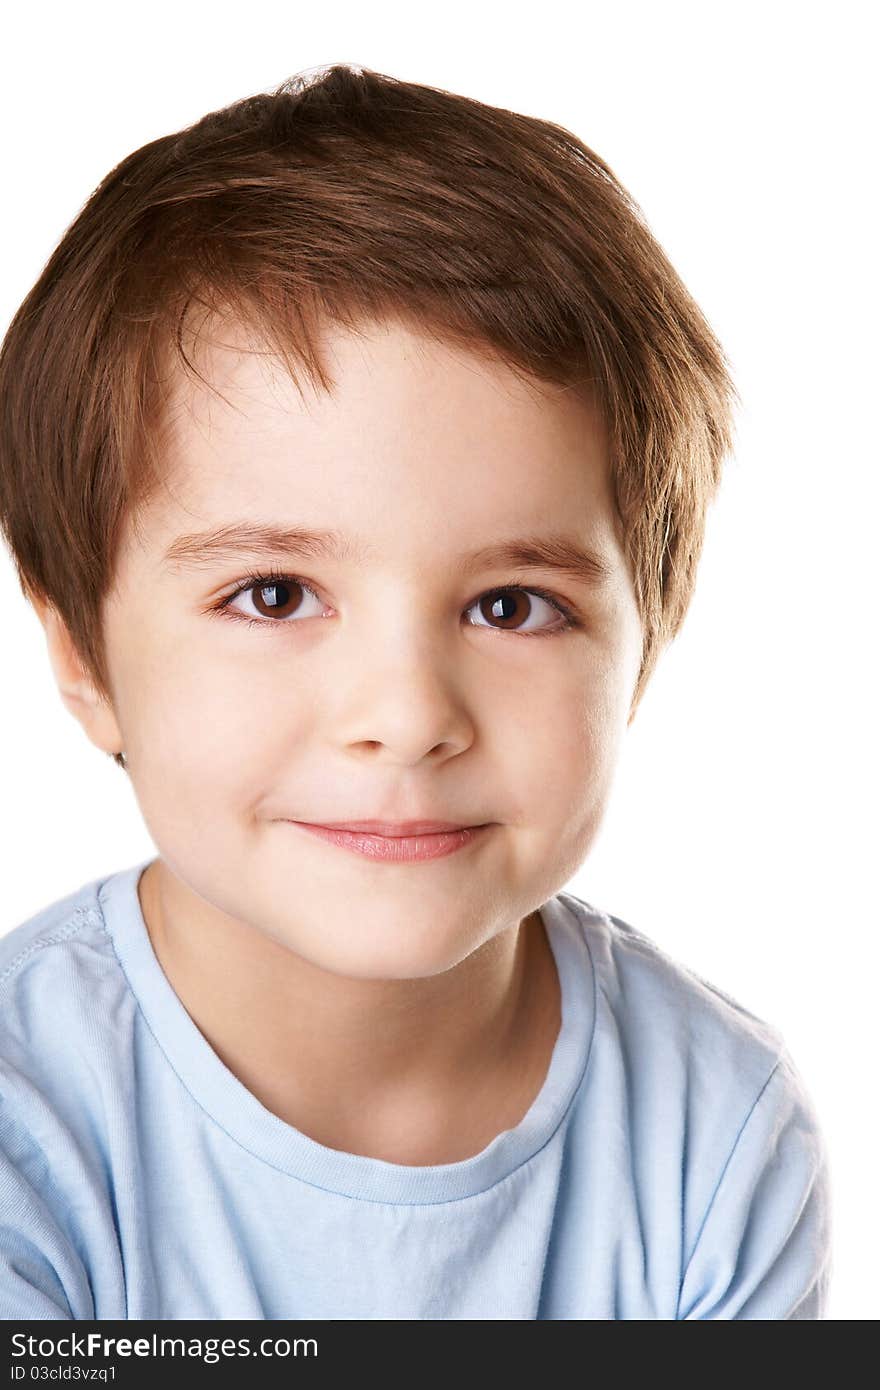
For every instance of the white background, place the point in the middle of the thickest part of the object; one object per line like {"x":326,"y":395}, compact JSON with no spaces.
{"x":742,"y":831}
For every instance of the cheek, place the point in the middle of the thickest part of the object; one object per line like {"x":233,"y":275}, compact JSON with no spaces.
{"x":565,"y":779}
{"x":197,"y":724}
{"x":573,"y":741}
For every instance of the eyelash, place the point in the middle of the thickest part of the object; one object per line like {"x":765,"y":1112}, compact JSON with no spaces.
{"x":252,"y":581}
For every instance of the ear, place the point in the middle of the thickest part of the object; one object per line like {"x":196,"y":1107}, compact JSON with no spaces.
{"x":78,"y":692}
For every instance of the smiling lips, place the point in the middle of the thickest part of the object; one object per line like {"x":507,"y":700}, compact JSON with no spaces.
{"x":394,"y":829}
{"x":397,"y":841}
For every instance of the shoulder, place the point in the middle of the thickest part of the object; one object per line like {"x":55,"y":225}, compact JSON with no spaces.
{"x":61,"y":989}
{"x":61,"y":994}
{"x":763,"y":1248}
{"x":665,"y":1013}
{"x":52,"y":925}
{"x":719,"y":1127}
{"x":69,"y":937}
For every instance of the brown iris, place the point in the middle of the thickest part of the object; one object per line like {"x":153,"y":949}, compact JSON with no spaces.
{"x":274,"y":600}
{"x":499,"y":605}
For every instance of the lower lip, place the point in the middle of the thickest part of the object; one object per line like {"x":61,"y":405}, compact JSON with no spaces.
{"x":399,"y":849}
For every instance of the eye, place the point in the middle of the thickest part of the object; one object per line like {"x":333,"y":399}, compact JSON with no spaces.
{"x":273,"y":596}
{"x":280,"y":596}
{"x":498,"y":605}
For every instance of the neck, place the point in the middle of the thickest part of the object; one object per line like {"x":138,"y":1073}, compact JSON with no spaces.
{"x":398,"y":1069}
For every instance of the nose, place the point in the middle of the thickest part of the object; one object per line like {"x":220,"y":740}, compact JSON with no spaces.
{"x":404,"y":700}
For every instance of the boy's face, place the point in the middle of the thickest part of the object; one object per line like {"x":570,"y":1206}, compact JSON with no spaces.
{"x":390,"y":688}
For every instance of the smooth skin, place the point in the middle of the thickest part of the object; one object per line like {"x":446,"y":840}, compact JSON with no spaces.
{"x":402,"y":1011}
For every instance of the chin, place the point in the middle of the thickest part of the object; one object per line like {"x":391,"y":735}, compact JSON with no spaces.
{"x":384,"y":955}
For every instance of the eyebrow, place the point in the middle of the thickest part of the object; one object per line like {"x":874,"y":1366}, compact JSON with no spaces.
{"x":564,"y":555}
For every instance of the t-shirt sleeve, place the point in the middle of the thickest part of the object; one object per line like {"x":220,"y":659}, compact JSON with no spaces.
{"x":38,"y":1264}
{"x":763,"y":1250}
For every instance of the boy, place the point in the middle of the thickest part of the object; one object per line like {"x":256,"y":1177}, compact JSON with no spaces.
{"x":356,"y":449}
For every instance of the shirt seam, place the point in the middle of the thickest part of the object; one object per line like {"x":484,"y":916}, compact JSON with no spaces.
{"x":581,"y":928}
{"x":82,"y":917}
{"x":721,"y":1177}
{"x":16,"y":1125}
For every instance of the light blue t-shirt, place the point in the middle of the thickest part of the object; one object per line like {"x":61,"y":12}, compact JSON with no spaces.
{"x":671,"y":1165}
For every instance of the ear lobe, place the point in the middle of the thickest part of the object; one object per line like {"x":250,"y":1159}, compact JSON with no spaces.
{"x":78,"y":692}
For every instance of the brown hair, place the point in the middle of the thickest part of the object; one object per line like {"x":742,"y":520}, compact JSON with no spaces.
{"x":352,"y":196}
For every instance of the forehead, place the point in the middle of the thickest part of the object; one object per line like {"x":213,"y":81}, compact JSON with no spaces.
{"x":412,"y":431}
